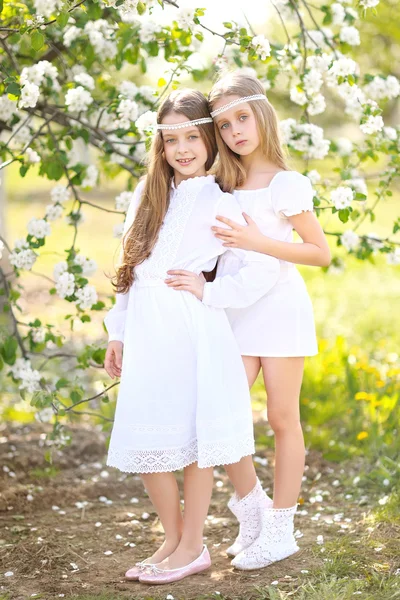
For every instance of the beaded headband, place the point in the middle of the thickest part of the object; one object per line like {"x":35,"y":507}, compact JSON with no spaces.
{"x":185,"y":124}
{"x":216,"y":112}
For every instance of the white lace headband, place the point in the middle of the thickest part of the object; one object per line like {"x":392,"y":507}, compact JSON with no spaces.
{"x":184,"y":124}
{"x":218,"y":111}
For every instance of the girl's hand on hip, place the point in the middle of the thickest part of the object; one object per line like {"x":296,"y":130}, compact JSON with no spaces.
{"x":246,"y":237}
{"x":113,"y":359}
{"x":186,"y":281}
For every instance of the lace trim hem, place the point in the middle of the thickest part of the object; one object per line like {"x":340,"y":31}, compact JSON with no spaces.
{"x":175,"y":459}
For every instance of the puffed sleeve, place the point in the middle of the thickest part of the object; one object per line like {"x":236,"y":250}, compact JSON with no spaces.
{"x":115,"y":318}
{"x":291,"y":194}
{"x":256,"y":277}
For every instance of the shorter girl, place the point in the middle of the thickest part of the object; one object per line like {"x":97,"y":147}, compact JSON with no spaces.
{"x":183,"y":401}
{"x":275,"y":333}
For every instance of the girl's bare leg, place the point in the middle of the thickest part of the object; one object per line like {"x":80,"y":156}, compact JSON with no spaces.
{"x":198,"y":485}
{"x":283,"y":378}
{"x":243,"y":474}
{"x":163,"y":491}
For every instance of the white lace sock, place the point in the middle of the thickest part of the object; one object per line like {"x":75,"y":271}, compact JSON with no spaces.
{"x":248,"y":512}
{"x":275,"y":542}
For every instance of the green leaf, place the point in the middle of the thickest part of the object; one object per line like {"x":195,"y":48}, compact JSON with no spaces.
{"x":76,"y":396}
{"x":344,"y":214}
{"x":9,"y":350}
{"x":99,"y":356}
{"x":85,"y":318}
{"x":61,"y":383}
{"x":62,"y":19}
{"x":37,"y":40}
{"x":14,"y":88}
{"x":141,"y":8}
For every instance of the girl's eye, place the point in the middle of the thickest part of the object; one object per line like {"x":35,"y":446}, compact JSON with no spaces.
{"x":193,"y":137}
{"x":169,"y":140}
{"x":224,"y":126}
{"x":242,"y":117}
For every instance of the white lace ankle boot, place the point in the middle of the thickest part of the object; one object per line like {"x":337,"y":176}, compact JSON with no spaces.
{"x":275,"y":542}
{"x":248,"y":512}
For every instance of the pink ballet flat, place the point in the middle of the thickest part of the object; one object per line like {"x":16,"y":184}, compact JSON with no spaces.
{"x":153,"y":575}
{"x":134,"y":573}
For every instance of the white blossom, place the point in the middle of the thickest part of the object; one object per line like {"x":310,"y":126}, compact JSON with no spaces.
{"x":86,"y":297}
{"x":123,"y":200}
{"x":65,"y":285}
{"x":350,"y":35}
{"x":350,"y":239}
{"x":147,"y":31}
{"x":372,"y":125}
{"x":89,"y":266}
{"x":314,"y":176}
{"x":305,"y":137}
{"x":71,"y":34}
{"x":78,"y":99}
{"x":261,"y":45}
{"x":1,"y":249}
{"x":298,"y":96}
{"x":342,"y":197}
{"x":319,"y":63}
{"x":29,"y":377}
{"x":7,"y":108}
{"x":379,"y":88}
{"x":338,"y":14}
{"x":44,"y":415}
{"x":29,"y":95}
{"x":91,"y":176}
{"x":101,"y":34}
{"x":393,"y":258}
{"x":38,"y":334}
{"x":342,"y":67}
{"x":185,"y":17}
{"x":147,"y":93}
{"x":146,"y":122}
{"x":59,"y":269}
{"x":47,"y":8}
{"x":358,"y":184}
{"x":53,"y":212}
{"x":60,"y":193}
{"x":345,"y":146}
{"x":32,"y":156}
{"x":317,"y":105}
{"x":390,"y":133}
{"x":369,"y":3}
{"x":127,"y":111}
{"x":38,"y":228}
{"x":85,"y":79}
{"x":128,"y":89}
{"x":23,"y":259}
{"x":312,"y":81}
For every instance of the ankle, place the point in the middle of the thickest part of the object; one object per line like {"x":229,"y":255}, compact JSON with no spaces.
{"x":191,"y":547}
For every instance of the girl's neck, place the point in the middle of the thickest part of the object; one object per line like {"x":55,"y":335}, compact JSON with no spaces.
{"x":256,"y":164}
{"x":178,"y":177}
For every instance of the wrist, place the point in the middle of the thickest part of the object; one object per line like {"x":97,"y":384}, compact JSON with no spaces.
{"x":261,"y":244}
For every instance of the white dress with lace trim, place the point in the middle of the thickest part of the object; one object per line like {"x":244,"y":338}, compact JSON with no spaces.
{"x":183,"y":393}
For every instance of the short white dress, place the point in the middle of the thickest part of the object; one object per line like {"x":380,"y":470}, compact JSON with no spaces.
{"x":183,"y":393}
{"x":281,"y":323}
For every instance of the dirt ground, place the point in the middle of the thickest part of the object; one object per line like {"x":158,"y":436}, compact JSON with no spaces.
{"x":75,"y":527}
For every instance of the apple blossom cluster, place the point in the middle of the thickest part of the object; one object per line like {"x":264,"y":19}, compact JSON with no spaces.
{"x":306,"y":138}
{"x":28,"y":378}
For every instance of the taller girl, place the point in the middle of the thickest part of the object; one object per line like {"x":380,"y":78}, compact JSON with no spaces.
{"x":277,"y":332}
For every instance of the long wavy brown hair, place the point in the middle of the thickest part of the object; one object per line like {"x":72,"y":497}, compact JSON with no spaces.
{"x":141,"y":237}
{"x":229,"y":171}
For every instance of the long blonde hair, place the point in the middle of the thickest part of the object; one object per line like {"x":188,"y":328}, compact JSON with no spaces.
{"x":140,"y":239}
{"x":229,"y":171}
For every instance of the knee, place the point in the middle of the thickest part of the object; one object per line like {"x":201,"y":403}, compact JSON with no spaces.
{"x":283,"y":421}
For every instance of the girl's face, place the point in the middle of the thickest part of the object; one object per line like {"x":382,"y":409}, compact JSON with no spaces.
{"x":237,"y":126}
{"x":184,"y":148}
